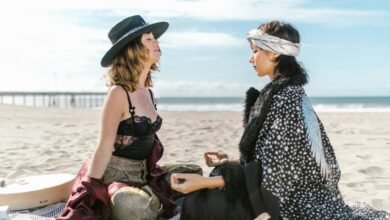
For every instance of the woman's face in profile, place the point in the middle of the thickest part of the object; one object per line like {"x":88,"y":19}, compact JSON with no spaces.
{"x":262,"y":62}
{"x":152,"y":45}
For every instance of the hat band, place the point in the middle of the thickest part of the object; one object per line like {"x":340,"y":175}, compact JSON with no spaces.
{"x":132,"y":31}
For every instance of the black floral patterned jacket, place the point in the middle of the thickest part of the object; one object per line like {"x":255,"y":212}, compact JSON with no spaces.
{"x":284,"y":134}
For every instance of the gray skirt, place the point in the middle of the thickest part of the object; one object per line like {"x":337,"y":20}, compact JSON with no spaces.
{"x":131,"y":202}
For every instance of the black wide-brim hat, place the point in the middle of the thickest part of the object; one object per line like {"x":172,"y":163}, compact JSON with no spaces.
{"x":126,"y":31}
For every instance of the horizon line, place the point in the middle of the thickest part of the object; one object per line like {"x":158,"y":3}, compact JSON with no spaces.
{"x":91,"y":92}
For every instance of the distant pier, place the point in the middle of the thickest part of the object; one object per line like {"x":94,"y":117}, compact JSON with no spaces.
{"x":54,"y":99}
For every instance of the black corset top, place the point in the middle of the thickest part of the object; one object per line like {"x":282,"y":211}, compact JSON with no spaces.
{"x":135,"y":135}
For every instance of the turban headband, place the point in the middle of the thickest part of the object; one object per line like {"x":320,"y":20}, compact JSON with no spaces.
{"x":272,"y":43}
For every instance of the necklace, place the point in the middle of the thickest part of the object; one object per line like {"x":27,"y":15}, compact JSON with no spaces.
{"x":147,"y":100}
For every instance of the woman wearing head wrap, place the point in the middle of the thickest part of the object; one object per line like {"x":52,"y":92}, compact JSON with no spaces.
{"x":298,"y":174}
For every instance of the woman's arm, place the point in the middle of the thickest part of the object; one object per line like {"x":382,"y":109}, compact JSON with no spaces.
{"x":112,"y":113}
{"x":232,"y":179}
{"x":186,"y":183}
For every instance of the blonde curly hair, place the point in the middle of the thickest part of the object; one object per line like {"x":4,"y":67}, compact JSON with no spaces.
{"x":127,"y":66}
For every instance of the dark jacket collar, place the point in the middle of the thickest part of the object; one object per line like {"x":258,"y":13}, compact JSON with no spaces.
{"x":263,"y":100}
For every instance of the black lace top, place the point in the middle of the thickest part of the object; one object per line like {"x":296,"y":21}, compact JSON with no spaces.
{"x":135,"y":135}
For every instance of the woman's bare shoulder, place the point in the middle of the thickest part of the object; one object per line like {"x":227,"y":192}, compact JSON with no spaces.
{"x":116,"y":94}
{"x":116,"y":91}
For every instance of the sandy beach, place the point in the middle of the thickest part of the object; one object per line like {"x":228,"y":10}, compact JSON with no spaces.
{"x":51,"y":140}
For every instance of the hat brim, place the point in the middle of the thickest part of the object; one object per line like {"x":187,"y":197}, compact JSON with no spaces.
{"x":156,"y":28}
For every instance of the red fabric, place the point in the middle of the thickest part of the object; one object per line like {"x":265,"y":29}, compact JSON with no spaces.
{"x":114,"y":186}
{"x":88,"y":201}
{"x":90,"y":198}
{"x":159,"y":186}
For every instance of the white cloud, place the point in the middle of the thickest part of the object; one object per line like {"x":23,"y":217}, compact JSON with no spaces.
{"x":198,"y":39}
{"x":203,"y":58}
{"x":217,"y":10}
{"x":324,"y":45}
{"x":39,"y":48}
{"x":43,"y":48}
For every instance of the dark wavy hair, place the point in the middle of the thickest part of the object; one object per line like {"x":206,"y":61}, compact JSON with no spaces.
{"x":287,"y":66}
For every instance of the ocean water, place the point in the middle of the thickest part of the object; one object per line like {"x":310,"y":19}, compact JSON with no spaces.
{"x":351,"y":104}
{"x":200,"y":104}
{"x":321,"y":104}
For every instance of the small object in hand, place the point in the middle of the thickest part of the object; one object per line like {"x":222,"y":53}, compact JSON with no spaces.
{"x":181,"y":180}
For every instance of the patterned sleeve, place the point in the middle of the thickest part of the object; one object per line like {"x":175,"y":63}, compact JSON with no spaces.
{"x":277,"y":146}
{"x":298,"y":162}
{"x":282,"y":147}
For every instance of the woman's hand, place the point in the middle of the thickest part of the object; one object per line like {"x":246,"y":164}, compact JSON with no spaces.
{"x":186,"y":182}
{"x":213,"y":159}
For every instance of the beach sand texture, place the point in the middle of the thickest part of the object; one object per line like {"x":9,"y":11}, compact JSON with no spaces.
{"x":51,"y":140}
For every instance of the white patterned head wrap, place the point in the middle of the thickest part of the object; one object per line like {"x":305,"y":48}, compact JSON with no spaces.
{"x":272,"y":43}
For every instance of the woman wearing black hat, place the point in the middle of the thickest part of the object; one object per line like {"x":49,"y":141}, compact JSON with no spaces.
{"x":128,"y":148}
{"x":129,"y":118}
{"x":287,"y":167}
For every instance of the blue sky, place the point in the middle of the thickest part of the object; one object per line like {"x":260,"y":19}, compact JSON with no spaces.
{"x":57,"y":45}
